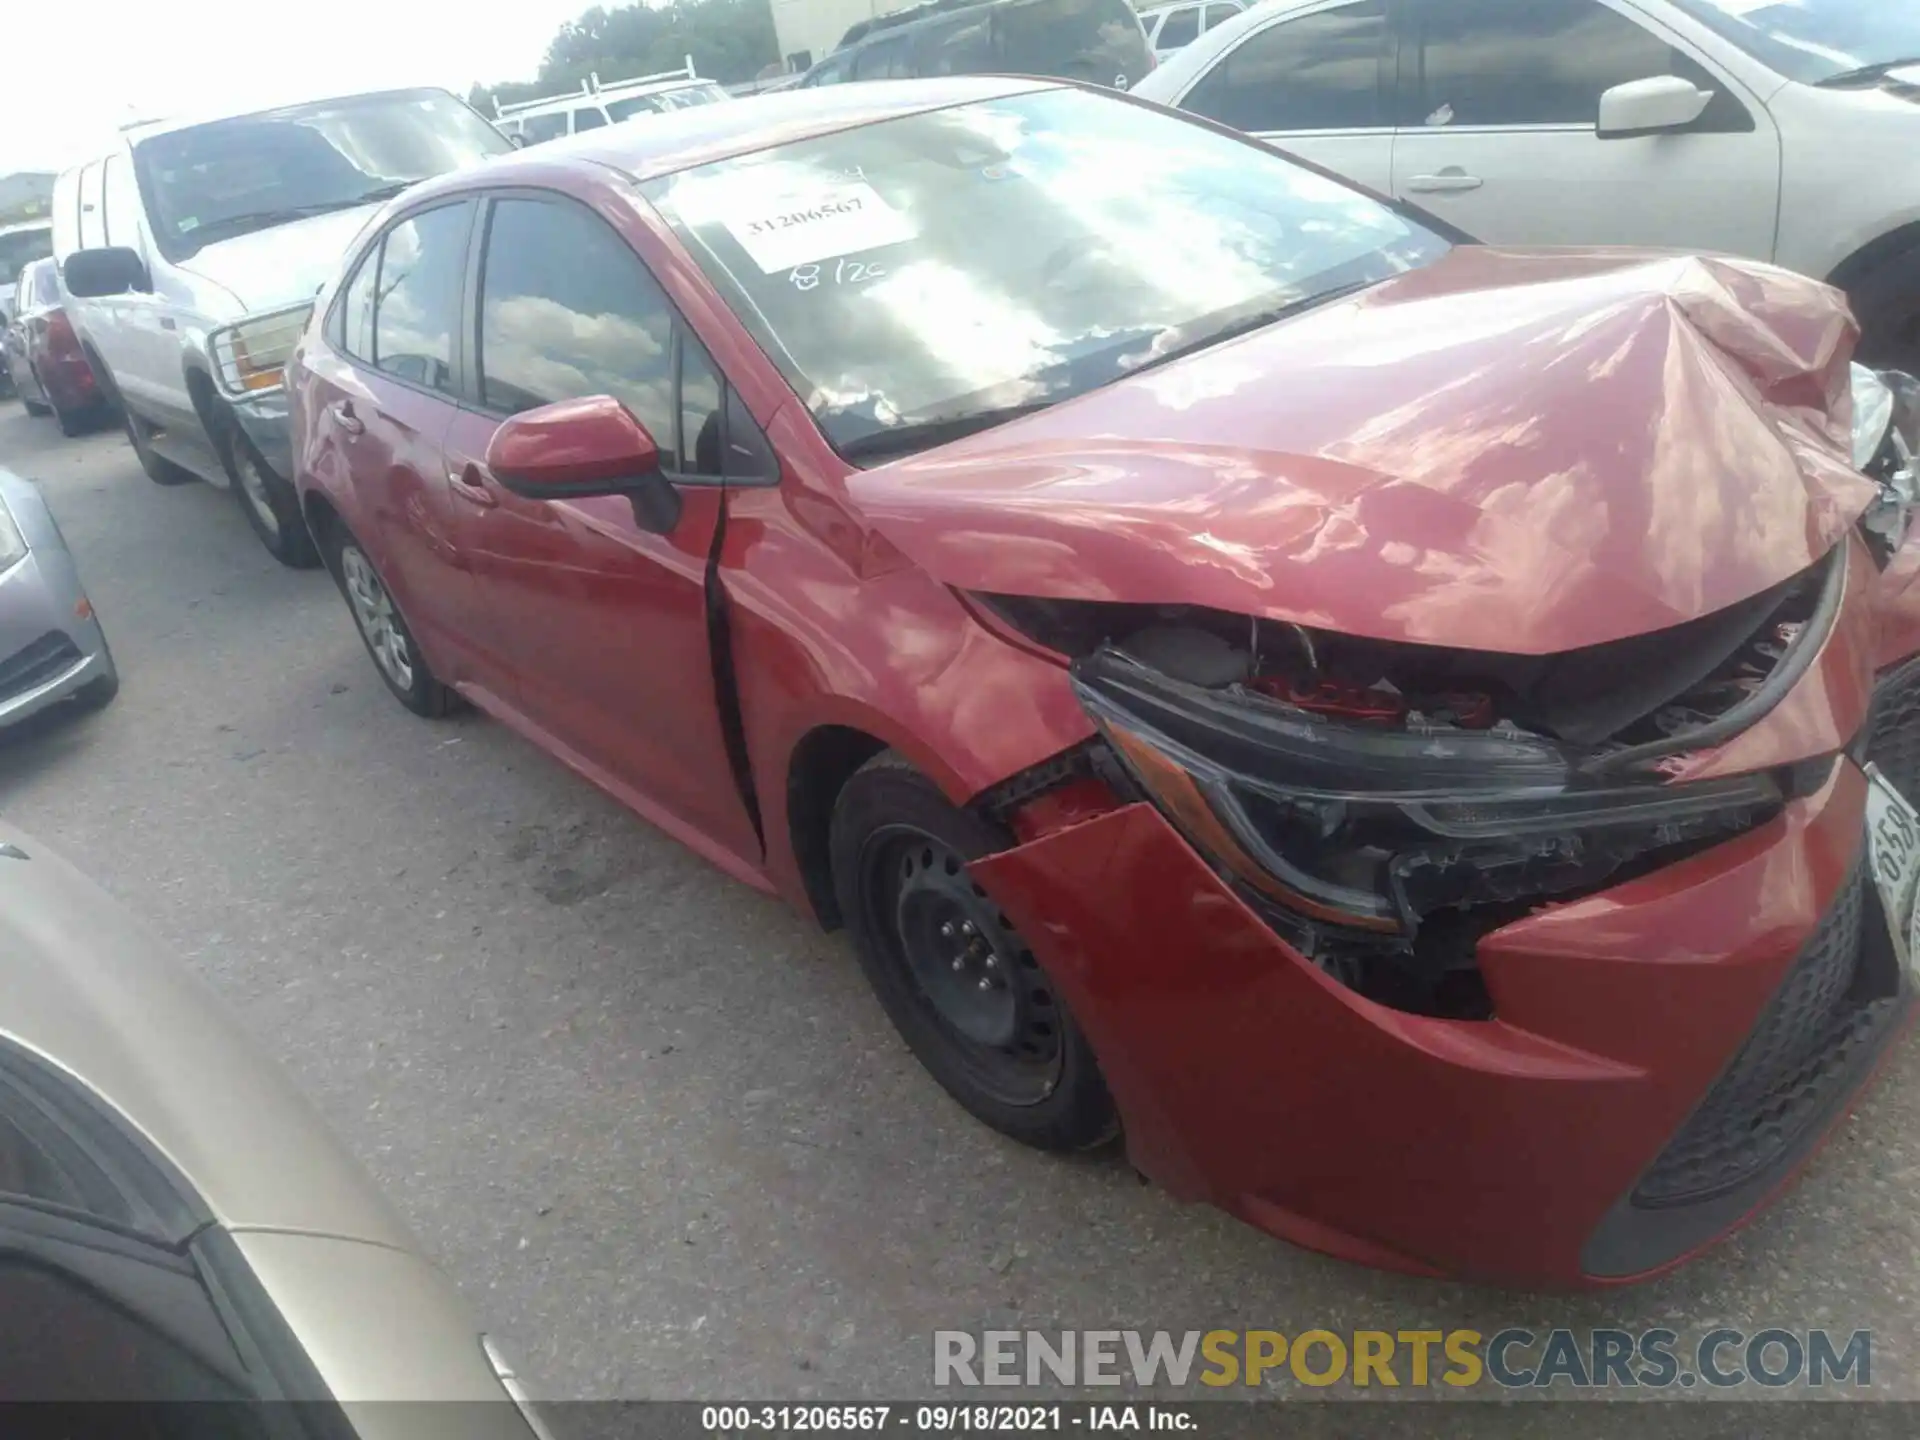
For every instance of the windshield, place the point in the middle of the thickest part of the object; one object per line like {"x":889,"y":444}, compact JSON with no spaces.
{"x":22,"y":247}
{"x":939,"y":269}
{"x":212,"y":182}
{"x":1815,"y":40}
{"x":682,"y":97}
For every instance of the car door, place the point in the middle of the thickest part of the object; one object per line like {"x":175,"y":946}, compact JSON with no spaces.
{"x":1314,"y":82}
{"x":384,"y":390}
{"x":1499,"y":131}
{"x":605,"y":624}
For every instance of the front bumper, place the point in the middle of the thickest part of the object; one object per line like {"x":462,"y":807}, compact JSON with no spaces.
{"x":51,"y":643}
{"x":1663,"y":1056}
{"x":267,"y":422}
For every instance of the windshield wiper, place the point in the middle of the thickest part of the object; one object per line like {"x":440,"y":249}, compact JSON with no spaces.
{"x":230,"y":225}
{"x":1247,"y":324}
{"x":934,"y":430}
{"x":1865,"y":74}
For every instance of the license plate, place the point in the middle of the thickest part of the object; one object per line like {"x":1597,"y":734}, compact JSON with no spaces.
{"x":1893,"y":847}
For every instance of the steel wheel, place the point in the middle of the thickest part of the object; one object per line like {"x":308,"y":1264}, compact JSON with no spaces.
{"x":373,"y":612}
{"x":253,"y":490}
{"x":989,"y":1000}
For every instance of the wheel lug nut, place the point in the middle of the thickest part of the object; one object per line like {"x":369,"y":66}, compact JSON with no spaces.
{"x":966,"y":927}
{"x":992,"y":961}
{"x":946,"y":930}
{"x":959,"y":962}
{"x":985,"y":983}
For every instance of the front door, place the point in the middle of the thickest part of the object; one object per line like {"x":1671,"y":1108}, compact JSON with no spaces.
{"x":603,"y":623}
{"x":1500,"y":109}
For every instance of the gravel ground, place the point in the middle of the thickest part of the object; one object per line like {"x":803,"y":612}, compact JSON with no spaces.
{"x":650,"y":1121}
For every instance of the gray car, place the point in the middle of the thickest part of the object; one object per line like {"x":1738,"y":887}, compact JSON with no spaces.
{"x":52,"y":648}
{"x":176,"y":1223}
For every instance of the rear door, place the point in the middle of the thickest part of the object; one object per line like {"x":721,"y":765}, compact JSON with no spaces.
{"x":384,"y":392}
{"x":1499,"y":131}
{"x":1317,"y":83}
{"x":604,"y":624}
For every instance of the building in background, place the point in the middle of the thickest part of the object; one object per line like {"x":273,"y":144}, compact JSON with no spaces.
{"x":25,"y":195}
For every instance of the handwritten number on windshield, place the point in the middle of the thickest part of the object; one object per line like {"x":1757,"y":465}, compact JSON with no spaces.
{"x":844,"y":272}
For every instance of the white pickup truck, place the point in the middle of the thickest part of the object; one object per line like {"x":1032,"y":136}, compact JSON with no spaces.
{"x":193,"y":252}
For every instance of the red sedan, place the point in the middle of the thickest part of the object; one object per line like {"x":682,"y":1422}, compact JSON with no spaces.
{"x":42,"y":354}
{"x":1412,"y":736}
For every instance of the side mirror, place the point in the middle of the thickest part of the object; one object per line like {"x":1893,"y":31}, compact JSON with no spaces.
{"x":1652,"y":106}
{"x":576,"y":448}
{"x":108,"y":270}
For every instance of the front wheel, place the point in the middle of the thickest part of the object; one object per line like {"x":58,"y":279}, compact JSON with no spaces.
{"x":956,"y":979}
{"x":271,"y":507}
{"x":158,"y":468}
{"x":385,"y":633}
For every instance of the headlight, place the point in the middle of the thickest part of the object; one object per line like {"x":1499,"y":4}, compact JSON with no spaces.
{"x":1872,"y":415}
{"x":250,"y":358}
{"x":13,"y":545}
{"x":1376,"y":828}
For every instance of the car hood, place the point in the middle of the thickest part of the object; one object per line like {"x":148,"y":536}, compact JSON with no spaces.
{"x":284,"y":265}
{"x":1523,"y":451}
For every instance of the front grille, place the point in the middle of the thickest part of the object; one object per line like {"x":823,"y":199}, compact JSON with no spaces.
{"x":35,"y":664}
{"x":1805,"y":1044}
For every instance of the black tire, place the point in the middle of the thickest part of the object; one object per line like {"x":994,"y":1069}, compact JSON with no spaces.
{"x":419,"y":689}
{"x":269,"y":504}
{"x":959,"y":984}
{"x":98,"y":693}
{"x":38,"y":407}
{"x":158,"y":468}
{"x":70,"y":424}
{"x":1886,"y":301}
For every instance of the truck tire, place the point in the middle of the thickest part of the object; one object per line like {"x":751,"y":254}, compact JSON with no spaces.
{"x":268,"y":502}
{"x":160,"y":470}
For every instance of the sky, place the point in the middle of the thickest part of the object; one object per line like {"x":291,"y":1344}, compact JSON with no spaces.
{"x":109,"y":61}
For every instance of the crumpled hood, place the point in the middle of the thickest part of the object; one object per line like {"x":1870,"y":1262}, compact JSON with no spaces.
{"x":1515,"y":450}
{"x":284,"y":265}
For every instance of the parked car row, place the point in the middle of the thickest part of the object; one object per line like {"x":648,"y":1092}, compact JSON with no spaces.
{"x":593,"y":104}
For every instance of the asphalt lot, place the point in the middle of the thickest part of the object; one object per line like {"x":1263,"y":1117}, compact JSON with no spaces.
{"x":650,"y":1121}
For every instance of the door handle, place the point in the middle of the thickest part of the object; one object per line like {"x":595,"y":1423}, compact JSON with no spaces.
{"x":468,"y":485}
{"x":343,"y":416}
{"x":1449,"y":181}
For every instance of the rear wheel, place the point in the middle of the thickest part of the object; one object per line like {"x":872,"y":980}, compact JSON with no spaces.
{"x":955,"y":977}
{"x":1886,"y":300}
{"x":384,"y":631}
{"x":271,"y":507}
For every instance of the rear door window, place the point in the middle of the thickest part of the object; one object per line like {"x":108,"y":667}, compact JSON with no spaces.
{"x":1095,"y":40}
{"x":1220,"y":14}
{"x":1322,"y":71}
{"x":887,"y":59}
{"x":1178,"y":28}
{"x":93,"y":210}
{"x":588,"y":117}
{"x":416,"y":311}
{"x":540,"y":128}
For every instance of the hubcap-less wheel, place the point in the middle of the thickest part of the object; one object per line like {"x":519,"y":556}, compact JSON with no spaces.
{"x":373,"y":612}
{"x":970,"y":968}
{"x":253,"y":487}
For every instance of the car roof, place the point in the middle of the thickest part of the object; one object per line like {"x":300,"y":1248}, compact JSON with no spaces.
{"x":662,"y":144}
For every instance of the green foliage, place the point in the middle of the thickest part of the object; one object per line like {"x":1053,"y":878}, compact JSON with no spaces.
{"x":730,"y":41}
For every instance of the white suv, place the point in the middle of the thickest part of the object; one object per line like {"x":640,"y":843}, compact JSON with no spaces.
{"x":1783,"y":131}
{"x":192,"y":252}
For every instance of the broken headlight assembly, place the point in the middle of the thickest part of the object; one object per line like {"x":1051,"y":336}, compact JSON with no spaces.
{"x":1377,"y":828}
{"x":1886,"y":437}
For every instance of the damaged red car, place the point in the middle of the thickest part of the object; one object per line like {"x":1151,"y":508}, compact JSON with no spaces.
{"x":1416,"y":738}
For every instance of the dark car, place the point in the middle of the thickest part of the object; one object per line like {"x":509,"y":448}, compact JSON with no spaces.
{"x":49,"y":370}
{"x":1413,"y":736}
{"x":1098,"y":41}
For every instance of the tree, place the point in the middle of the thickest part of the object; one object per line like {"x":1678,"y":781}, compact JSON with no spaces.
{"x":729,"y":40}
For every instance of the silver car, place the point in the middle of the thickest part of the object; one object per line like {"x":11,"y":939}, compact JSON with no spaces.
{"x":51,"y":645}
{"x":176,"y":1223}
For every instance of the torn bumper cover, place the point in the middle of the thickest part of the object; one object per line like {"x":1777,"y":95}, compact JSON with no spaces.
{"x":1660,"y":1058}
{"x":1657,"y":1053}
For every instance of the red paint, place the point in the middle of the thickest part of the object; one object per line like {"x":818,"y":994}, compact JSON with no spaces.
{"x":572,"y":443}
{"x":1510,"y":451}
{"x":41,"y":340}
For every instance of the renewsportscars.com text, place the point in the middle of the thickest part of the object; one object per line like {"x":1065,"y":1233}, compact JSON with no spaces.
{"x":1512,"y":1359}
